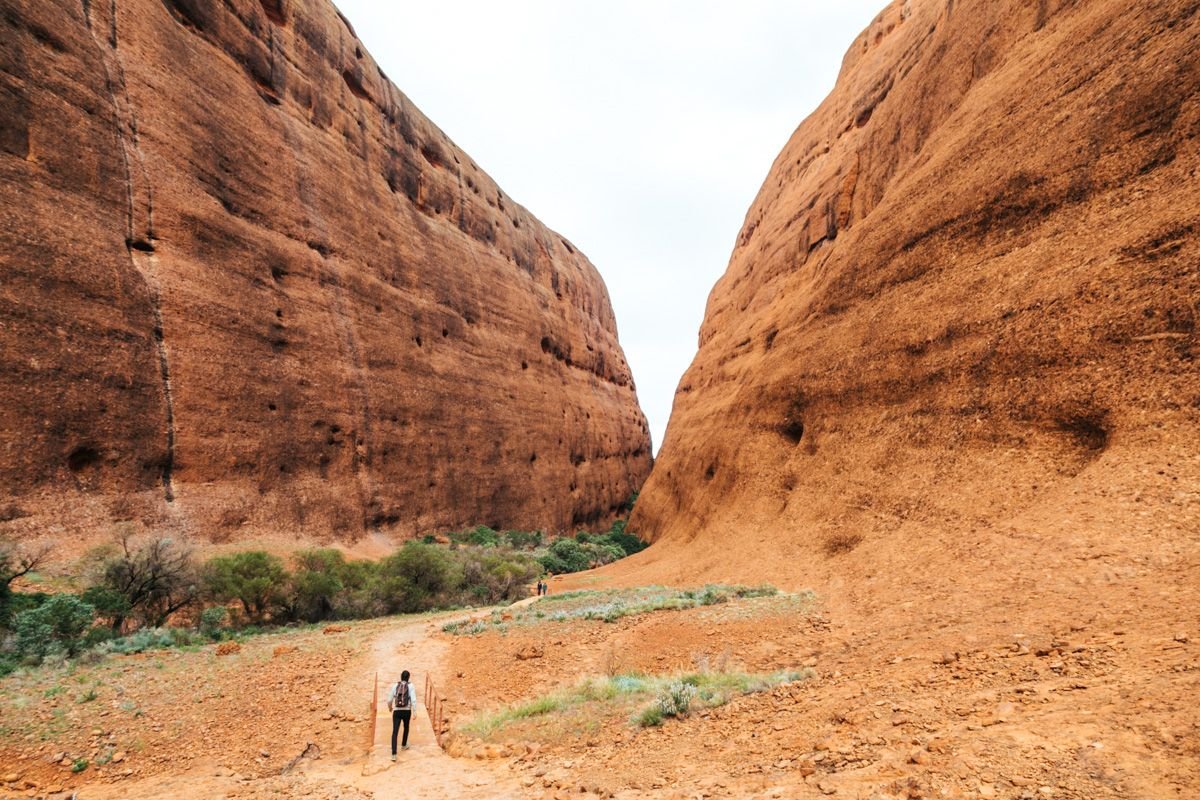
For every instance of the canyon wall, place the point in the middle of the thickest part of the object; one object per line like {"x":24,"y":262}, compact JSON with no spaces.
{"x":249,"y":289}
{"x":961,"y":318}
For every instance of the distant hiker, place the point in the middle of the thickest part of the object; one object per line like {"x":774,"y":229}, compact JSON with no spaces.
{"x":400,"y":703}
{"x":539,"y":589}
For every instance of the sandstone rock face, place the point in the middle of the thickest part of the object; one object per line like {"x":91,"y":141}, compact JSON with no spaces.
{"x":964,"y":306}
{"x":247,"y":287}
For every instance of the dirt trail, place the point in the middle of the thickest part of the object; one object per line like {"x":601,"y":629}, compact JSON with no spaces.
{"x":424,"y":770}
{"x":347,"y":769}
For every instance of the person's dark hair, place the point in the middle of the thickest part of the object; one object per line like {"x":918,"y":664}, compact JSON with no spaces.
{"x":404,"y":675}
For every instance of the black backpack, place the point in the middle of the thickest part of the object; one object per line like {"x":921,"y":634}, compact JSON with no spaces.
{"x":402,"y":699}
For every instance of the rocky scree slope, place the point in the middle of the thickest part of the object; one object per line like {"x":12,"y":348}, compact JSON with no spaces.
{"x":248,"y":286}
{"x":957,"y":339}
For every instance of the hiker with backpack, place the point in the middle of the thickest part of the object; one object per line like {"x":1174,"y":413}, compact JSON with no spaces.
{"x":400,"y":703}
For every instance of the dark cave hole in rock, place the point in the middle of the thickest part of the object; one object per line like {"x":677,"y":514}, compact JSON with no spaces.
{"x":524,"y":365}
{"x":278,"y":273}
{"x":711,"y":472}
{"x":82,"y":457}
{"x":792,"y":429}
{"x":1088,"y":431}
{"x":272,"y":406}
{"x":445,"y":332}
{"x":141,"y":245}
{"x":532,"y":457}
{"x":417,"y":339}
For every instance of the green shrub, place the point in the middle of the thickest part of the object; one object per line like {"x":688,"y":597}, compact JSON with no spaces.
{"x":111,"y":606}
{"x":362,"y":594}
{"x":143,"y":640}
{"x":418,"y":577}
{"x":97,"y":636}
{"x":57,"y":625}
{"x":212,"y":619}
{"x":565,"y":555}
{"x":79,"y":765}
{"x":651,"y":717}
{"x":316,"y":584}
{"x":254,"y":578}
{"x":676,"y":698}
{"x":524,"y":540}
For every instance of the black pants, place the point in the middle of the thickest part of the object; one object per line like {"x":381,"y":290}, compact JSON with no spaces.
{"x":399,"y":716}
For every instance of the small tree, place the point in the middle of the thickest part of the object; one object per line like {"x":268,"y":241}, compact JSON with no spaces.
{"x":155,"y":579}
{"x":254,"y":578}
{"x":316,"y":583}
{"x":16,"y":564}
{"x":418,"y":575}
{"x":57,"y":624}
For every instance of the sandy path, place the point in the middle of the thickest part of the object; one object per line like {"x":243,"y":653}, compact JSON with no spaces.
{"x":344,"y":770}
{"x":424,"y":770}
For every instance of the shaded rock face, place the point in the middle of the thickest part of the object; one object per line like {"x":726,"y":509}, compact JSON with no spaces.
{"x":967,"y":295}
{"x":248,"y":287}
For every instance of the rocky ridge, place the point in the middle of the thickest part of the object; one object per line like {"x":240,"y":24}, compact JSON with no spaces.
{"x":249,"y":287}
{"x":960,"y":320}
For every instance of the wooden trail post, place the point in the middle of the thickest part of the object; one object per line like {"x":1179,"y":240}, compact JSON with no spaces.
{"x":374,"y":713}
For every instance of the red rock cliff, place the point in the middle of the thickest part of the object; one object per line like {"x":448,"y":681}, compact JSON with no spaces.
{"x":963,"y":307}
{"x":248,"y":287}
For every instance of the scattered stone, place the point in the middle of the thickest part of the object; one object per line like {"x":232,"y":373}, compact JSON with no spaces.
{"x":229,"y":648}
{"x":530,"y":651}
{"x":332,"y":629}
{"x":1182,"y":638}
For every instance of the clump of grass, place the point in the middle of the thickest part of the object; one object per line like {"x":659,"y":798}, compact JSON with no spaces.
{"x":79,"y":765}
{"x":676,"y":698}
{"x":612,"y":605}
{"x":651,"y":717}
{"x":671,"y":696}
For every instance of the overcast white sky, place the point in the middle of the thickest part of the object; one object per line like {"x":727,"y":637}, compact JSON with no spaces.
{"x":641,"y":130}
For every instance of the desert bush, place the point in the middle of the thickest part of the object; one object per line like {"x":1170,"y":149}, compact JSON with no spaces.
{"x":676,"y":698}
{"x":57,"y":625}
{"x":650,"y":717}
{"x":565,"y":555}
{"x":523,"y":540}
{"x":212,"y":620}
{"x":491,"y":576}
{"x":479,"y":536}
{"x":148,"y":582}
{"x":418,"y":577}
{"x":254,"y":578}
{"x":316,"y":584}
{"x":16,"y":563}
{"x":362,"y":592}
{"x":141,"y":641}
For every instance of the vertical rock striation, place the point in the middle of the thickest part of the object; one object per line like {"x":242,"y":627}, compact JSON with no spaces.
{"x":247,"y":287}
{"x":964,"y":303}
